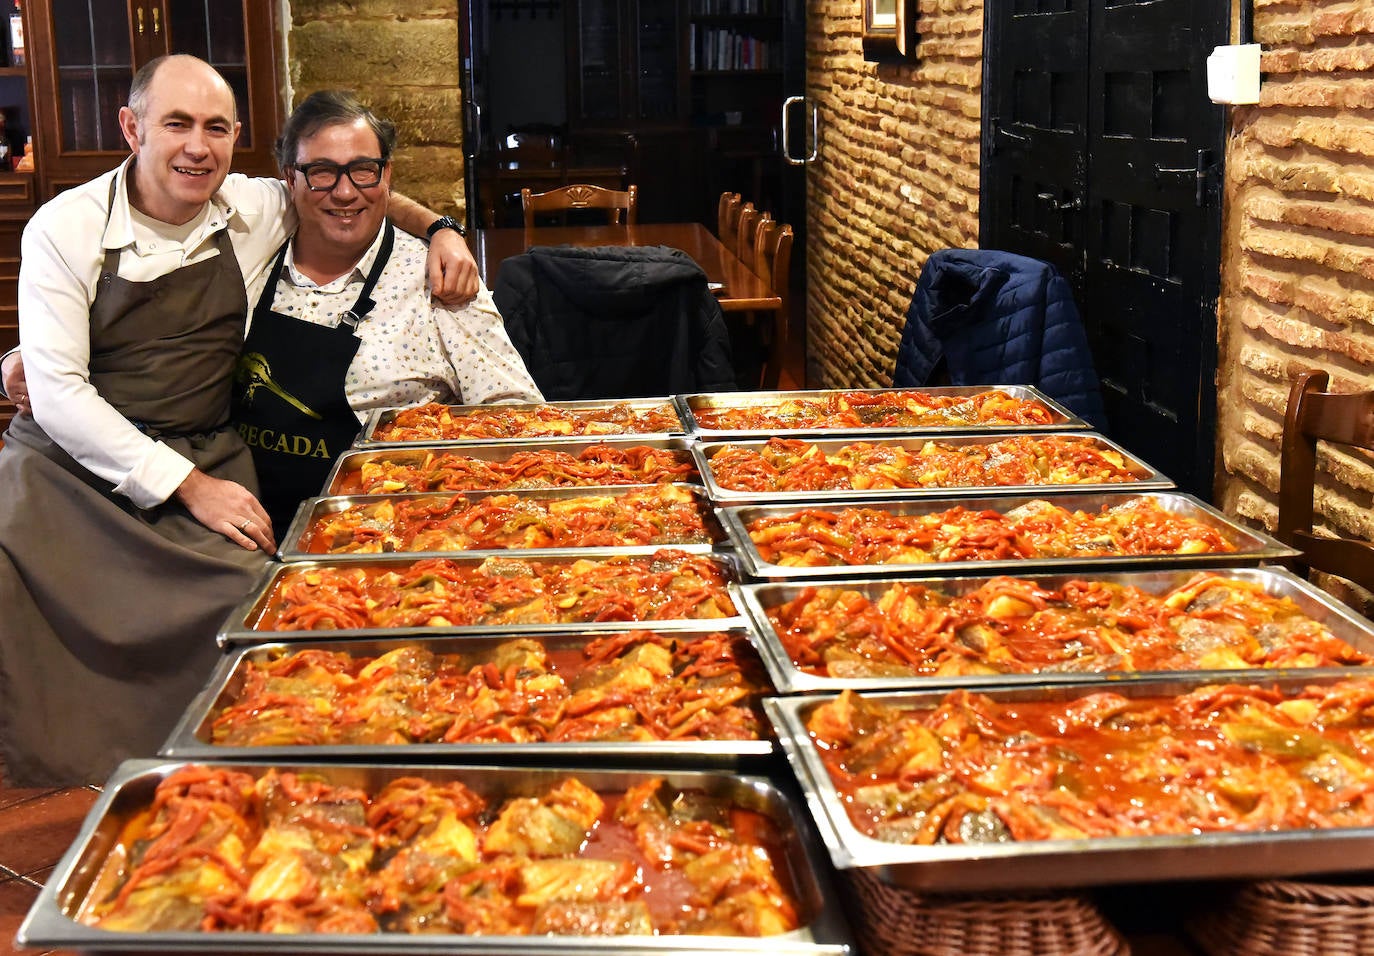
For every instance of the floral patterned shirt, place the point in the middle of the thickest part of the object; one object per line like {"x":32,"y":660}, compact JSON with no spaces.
{"x":413,"y":349}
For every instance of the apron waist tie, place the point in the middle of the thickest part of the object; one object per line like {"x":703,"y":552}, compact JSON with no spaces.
{"x":152,"y":431}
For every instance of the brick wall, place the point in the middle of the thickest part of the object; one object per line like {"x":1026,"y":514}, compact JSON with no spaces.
{"x":898,"y":179}
{"x":401,"y":56}
{"x":1298,"y":258}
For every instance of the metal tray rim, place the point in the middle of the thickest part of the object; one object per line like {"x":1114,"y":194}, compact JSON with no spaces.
{"x":678,"y":443}
{"x":183,"y":743}
{"x":790,"y":680}
{"x":378,"y":415}
{"x":1152,"y":479}
{"x":312,"y":508}
{"x":1263,"y":546}
{"x":1081,"y":861}
{"x":236,"y":630}
{"x":1071,"y":421}
{"x":47,"y":926}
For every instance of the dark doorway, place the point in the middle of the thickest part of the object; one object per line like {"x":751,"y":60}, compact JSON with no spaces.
{"x":1101,"y":155}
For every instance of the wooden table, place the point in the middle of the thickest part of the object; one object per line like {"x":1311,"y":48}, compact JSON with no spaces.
{"x":736,"y":286}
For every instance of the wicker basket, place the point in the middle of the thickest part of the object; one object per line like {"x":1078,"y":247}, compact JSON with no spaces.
{"x":892,"y":921}
{"x":1290,"y":918}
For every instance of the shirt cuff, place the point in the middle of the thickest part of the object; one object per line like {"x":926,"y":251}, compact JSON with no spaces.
{"x":4,"y":394}
{"x":154,"y":479}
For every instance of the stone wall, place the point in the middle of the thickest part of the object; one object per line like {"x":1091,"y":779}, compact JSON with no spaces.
{"x":1298,"y":258}
{"x":401,"y":56}
{"x":898,"y":179}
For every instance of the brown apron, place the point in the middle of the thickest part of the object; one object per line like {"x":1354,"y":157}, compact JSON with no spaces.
{"x":108,"y":612}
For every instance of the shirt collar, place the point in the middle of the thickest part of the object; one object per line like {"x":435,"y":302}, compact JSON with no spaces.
{"x":359,"y":271}
{"x":119,"y":228}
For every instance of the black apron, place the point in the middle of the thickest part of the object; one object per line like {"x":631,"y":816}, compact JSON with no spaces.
{"x":289,"y":400}
{"x":108,"y":612}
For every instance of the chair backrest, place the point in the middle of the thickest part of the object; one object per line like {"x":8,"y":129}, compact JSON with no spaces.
{"x":725,"y":213}
{"x":746,"y":237}
{"x":773,"y":262}
{"x":621,"y":206}
{"x":538,"y":142}
{"x":729,"y":236}
{"x":614,"y":322}
{"x":1317,"y":415}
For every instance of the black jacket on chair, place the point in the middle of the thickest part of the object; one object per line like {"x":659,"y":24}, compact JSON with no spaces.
{"x":614,"y":322}
{"x":996,"y":318}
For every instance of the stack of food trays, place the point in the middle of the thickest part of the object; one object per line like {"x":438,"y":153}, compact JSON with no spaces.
{"x":1008,"y":688}
{"x":531,"y":737}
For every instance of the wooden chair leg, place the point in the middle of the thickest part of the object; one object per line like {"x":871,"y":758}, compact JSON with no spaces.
{"x":777,"y":351}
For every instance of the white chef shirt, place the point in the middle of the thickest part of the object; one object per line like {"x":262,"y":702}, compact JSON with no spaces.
{"x":412,"y":349}
{"x":62,"y":253}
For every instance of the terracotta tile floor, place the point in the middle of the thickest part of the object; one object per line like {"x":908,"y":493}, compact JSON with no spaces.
{"x":36,"y":827}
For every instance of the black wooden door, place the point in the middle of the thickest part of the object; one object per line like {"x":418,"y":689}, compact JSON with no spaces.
{"x":1102,"y":155}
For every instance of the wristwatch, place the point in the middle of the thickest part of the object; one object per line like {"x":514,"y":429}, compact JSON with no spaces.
{"x":445,"y":222}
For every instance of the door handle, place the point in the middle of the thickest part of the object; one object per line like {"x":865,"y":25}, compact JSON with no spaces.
{"x":1200,"y":172}
{"x":475,"y":112}
{"x":787,"y":139}
{"x":157,"y":21}
{"x":1062,"y":205}
{"x":139,"y":15}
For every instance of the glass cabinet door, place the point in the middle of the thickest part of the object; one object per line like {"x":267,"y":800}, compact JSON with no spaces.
{"x":96,"y":61}
{"x":599,"y":67}
{"x":213,"y":30}
{"x":94,"y":66}
{"x":658,"y":42}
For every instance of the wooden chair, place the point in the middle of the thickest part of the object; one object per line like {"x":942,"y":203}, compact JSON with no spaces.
{"x":1341,"y":418}
{"x":725,"y":213}
{"x":773,"y":261}
{"x":536,"y":142}
{"x":620,"y":206}
{"x":747,"y":238}
{"x":729,"y":235}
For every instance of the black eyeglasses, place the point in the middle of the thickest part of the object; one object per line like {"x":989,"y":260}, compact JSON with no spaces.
{"x":324,"y":176}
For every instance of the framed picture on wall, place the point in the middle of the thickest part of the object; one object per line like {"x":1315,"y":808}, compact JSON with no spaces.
{"x":889,"y":29}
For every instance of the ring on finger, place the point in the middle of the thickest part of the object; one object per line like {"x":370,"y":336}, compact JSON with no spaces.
{"x":247,"y":523}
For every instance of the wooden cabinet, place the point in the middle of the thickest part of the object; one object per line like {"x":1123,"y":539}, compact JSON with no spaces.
{"x":11,"y":226}
{"x":83,"y":54}
{"x":697,"y":84}
{"x":626,"y":65}
{"x":80,"y":58}
{"x":18,"y":193}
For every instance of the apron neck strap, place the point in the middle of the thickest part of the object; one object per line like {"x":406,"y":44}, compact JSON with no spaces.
{"x":361,"y":307}
{"x":364,"y":304}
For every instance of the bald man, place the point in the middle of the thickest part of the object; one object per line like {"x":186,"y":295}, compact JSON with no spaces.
{"x":130,"y":524}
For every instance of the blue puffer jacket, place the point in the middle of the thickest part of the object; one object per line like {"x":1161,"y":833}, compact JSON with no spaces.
{"x":997,"y":318}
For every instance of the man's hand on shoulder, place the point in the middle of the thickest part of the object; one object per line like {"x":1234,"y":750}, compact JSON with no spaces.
{"x":453,"y":276}
{"x":227,"y":508}
{"x":12,"y":379}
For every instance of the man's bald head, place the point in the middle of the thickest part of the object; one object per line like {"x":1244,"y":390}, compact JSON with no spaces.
{"x":179,"y":63}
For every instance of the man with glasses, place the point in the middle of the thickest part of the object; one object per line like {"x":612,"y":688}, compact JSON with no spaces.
{"x":343,"y":322}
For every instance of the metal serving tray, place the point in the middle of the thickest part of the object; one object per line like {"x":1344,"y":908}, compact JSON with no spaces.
{"x":1030,"y":864}
{"x":1252,"y":547}
{"x":1144,"y":477}
{"x":241,"y":627}
{"x":191,"y":738}
{"x":353,"y":460}
{"x":758,"y":599}
{"x":295,"y":546}
{"x":384,"y":416}
{"x":52,"y":922}
{"x":689,"y":405}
